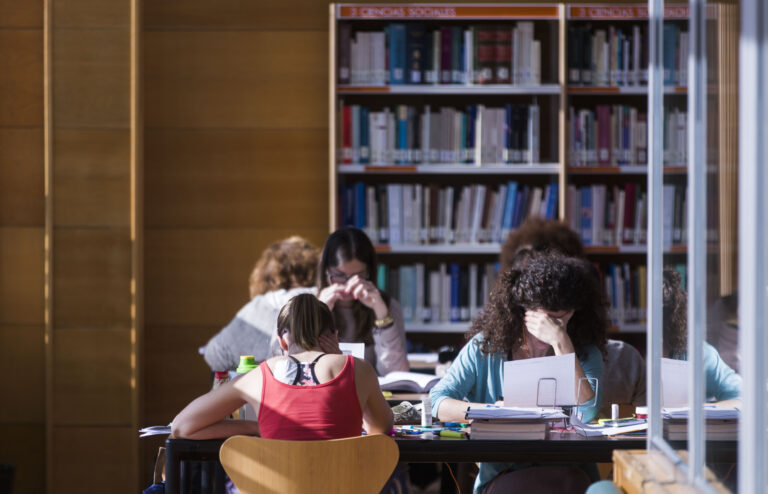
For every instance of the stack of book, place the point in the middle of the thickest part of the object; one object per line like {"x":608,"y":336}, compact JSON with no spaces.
{"x":721,"y":424}
{"x":494,"y":422}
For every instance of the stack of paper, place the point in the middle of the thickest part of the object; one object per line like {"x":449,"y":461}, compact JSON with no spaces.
{"x":497,"y":412}
{"x":155,"y":430}
{"x":603,"y":430}
{"x":710,"y":412}
{"x":508,"y":429}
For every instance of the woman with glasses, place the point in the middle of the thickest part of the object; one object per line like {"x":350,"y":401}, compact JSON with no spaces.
{"x":346,"y":282}
{"x":546,"y":304}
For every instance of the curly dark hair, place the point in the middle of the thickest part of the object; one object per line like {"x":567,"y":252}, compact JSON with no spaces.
{"x":675,"y":313}
{"x":538,"y":234}
{"x":549,"y":281}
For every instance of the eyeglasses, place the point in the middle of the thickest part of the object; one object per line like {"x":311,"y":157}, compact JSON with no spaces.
{"x":341,"y":278}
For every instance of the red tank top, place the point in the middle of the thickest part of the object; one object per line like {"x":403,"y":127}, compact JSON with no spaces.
{"x":329,"y":410}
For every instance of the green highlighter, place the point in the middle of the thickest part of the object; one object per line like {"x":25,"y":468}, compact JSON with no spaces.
{"x":454,"y":434}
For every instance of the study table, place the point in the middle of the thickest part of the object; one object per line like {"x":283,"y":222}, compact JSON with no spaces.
{"x":566,"y":446}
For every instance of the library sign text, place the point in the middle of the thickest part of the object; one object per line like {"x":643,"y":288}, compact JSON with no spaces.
{"x":623,"y":12}
{"x":446,"y":12}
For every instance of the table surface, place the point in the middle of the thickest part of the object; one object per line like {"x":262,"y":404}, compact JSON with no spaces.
{"x":558,"y":447}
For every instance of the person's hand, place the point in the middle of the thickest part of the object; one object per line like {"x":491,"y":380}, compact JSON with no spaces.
{"x":548,"y":329}
{"x":367,"y":293}
{"x":331,"y":294}
{"x":329,"y":342}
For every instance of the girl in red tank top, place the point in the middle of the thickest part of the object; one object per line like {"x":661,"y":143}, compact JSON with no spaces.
{"x":307,"y":395}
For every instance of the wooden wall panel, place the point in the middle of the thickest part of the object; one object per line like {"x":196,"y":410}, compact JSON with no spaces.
{"x":91,"y":385}
{"x":93,"y":457}
{"x":92,"y":278}
{"x":92,"y":78}
{"x":21,"y":77}
{"x":200,"y":276}
{"x":231,"y":178}
{"x":23,"y":390}
{"x":21,"y":276}
{"x":92,"y":13}
{"x":21,"y":13}
{"x":179,"y":373}
{"x":231,"y":79}
{"x":21,"y":177}
{"x":24,"y":445}
{"x":92,"y":177}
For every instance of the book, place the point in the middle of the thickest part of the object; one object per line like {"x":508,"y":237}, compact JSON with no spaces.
{"x":415,"y":382}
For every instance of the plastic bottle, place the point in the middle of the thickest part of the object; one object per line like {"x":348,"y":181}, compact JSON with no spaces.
{"x":219,"y":378}
{"x":426,"y":411}
{"x":247,"y":364}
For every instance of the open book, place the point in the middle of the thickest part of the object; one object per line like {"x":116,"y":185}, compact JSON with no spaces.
{"x":414,"y":382}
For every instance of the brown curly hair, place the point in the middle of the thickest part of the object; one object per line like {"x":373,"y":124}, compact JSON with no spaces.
{"x":288,"y":263}
{"x":549,"y":281}
{"x":674,"y":313}
{"x":538,"y":234}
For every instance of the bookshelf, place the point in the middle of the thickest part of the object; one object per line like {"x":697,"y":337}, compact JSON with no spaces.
{"x":446,"y":123}
{"x":458,"y":137}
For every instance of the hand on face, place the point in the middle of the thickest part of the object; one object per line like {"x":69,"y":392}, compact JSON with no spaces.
{"x":367,"y":293}
{"x":333,"y":293}
{"x":546,"y":327}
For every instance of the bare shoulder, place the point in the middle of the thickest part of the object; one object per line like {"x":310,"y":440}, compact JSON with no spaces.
{"x":363,"y":368}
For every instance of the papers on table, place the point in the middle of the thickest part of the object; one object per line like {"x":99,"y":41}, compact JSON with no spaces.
{"x":357,"y":350}
{"x":710,"y":412}
{"x":497,"y":412}
{"x":674,"y":382}
{"x":602,"y":430}
{"x":155,"y":430}
{"x":415,"y":382}
{"x":539,"y":382}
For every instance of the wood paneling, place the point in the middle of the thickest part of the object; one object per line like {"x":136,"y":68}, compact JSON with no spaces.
{"x":179,"y":374}
{"x":21,"y":77}
{"x":21,"y":177}
{"x":220,"y":178}
{"x":93,"y":458}
{"x":21,"y":13}
{"x":236,"y":79}
{"x":24,"y":446}
{"x":92,"y":278}
{"x":91,"y":381}
{"x":200,"y":276}
{"x":21,"y":276}
{"x":92,"y":178}
{"x":92,"y":80}
{"x":23,"y":364}
{"x":91,"y":13}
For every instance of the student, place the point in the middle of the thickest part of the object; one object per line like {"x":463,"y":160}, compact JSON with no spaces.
{"x":623,"y":367}
{"x":548,"y":305}
{"x":285,"y":269}
{"x":346,"y":282}
{"x":723,"y":384}
{"x":303,"y":395}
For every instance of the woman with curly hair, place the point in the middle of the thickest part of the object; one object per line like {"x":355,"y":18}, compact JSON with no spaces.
{"x":723,"y":384}
{"x":285,"y":269}
{"x":548,"y":305}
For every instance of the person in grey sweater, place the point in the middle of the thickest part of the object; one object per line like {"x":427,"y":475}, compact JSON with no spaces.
{"x":345,"y":278}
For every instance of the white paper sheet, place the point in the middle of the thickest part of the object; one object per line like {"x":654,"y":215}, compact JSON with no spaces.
{"x":674,"y":383}
{"x":550,"y":379}
{"x":357,"y":350}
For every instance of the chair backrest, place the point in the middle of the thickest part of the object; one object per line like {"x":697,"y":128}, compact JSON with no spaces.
{"x":623,"y":376}
{"x":355,"y":464}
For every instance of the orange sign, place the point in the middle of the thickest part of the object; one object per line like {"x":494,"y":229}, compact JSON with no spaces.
{"x":609,"y":12}
{"x":446,"y":11}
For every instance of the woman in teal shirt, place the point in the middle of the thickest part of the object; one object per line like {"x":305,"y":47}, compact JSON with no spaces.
{"x":723,"y":384}
{"x":546,"y":304}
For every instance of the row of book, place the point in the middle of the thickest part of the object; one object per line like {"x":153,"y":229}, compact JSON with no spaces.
{"x":446,"y":292}
{"x":625,"y":287}
{"x":414,"y":214}
{"x":618,"y":135}
{"x":475,"y":135}
{"x":618,"y":55}
{"x":413,"y":53}
{"x":618,"y":215}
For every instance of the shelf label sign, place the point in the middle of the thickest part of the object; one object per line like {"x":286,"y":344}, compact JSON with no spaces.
{"x":441,"y":11}
{"x":609,"y":12}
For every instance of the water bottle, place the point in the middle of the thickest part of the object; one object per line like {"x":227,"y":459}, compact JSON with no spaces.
{"x":247,"y":364}
{"x":219,"y":378}
{"x":426,"y":411}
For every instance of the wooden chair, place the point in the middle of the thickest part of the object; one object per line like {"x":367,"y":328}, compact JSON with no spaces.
{"x":355,"y":464}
